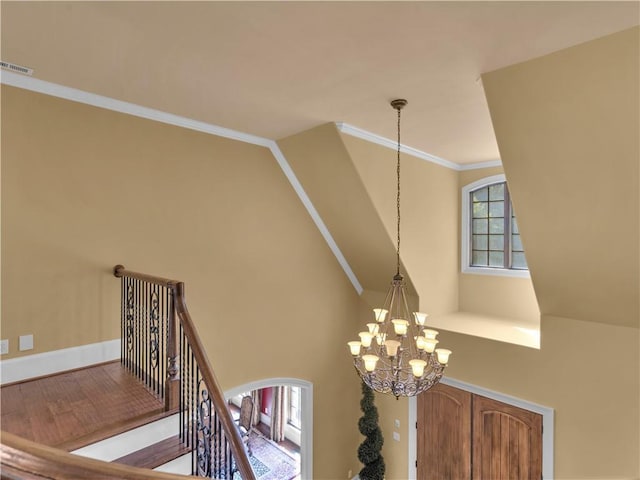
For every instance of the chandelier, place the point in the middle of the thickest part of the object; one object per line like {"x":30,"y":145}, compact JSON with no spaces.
{"x":397,"y":354}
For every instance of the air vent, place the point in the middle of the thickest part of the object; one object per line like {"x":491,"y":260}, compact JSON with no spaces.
{"x":12,"y":67}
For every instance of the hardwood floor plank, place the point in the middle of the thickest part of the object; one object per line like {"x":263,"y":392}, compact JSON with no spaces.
{"x":72,"y":407}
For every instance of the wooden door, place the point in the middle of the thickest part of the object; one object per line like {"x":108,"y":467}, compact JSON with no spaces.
{"x":444,"y":434}
{"x":462,"y":436}
{"x":507,"y":441}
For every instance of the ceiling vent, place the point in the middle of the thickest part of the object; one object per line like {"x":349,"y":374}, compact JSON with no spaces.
{"x":12,"y":67}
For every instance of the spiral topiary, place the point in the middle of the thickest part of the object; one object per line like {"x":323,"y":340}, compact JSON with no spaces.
{"x":369,"y":449}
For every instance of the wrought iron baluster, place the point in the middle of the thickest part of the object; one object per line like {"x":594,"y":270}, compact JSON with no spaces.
{"x":162,"y":338}
{"x":192,"y":411}
{"x":157,"y":335}
{"x":138,"y":329}
{"x":183,"y":390}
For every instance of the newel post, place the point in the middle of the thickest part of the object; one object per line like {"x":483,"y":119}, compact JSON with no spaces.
{"x":172,"y":385}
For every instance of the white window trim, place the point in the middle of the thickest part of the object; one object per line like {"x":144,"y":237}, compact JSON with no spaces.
{"x":464,"y":235}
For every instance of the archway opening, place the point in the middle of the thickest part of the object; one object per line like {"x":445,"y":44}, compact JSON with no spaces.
{"x":279,"y":435}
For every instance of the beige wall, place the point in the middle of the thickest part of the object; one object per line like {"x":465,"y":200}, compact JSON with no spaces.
{"x":508,"y":298}
{"x":596,"y":400}
{"x":567,"y":126}
{"x":85,"y":188}
{"x":429,"y":218}
{"x":327,"y":173}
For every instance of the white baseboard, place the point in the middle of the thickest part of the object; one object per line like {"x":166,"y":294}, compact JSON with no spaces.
{"x":30,"y":366}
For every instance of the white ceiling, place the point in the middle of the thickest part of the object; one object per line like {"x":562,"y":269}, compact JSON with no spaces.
{"x":273,"y":69}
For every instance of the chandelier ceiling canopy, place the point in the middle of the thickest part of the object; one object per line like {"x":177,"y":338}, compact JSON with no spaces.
{"x":397,"y":353}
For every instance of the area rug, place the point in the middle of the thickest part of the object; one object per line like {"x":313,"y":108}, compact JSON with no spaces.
{"x":268,"y":461}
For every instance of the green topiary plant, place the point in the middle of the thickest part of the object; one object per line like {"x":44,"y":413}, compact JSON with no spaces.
{"x":369,"y":449}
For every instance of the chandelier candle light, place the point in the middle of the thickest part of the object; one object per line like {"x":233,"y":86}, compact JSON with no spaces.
{"x":397,"y":354}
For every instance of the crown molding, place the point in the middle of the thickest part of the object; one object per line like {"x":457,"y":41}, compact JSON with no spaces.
{"x":80,"y":96}
{"x":479,"y":165}
{"x":386,"y":142}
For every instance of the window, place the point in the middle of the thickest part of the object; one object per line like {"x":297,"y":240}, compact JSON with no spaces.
{"x":295,"y":407}
{"x":491,"y":240}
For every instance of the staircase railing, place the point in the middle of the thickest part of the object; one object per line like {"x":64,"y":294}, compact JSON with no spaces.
{"x":26,"y":460}
{"x":161,"y":346}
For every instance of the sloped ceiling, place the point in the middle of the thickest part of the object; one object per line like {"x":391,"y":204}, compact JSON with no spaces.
{"x":274,"y":69}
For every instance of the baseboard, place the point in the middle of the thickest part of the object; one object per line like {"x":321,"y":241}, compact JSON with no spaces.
{"x":31,"y":366}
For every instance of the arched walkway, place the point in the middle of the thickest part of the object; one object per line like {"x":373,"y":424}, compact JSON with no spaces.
{"x":306,"y":436}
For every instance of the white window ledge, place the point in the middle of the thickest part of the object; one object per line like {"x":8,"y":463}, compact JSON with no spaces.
{"x":499,"y":272}
{"x":514,"y":331}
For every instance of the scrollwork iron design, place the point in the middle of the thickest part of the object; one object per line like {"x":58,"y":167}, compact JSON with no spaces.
{"x":203,"y":433}
{"x":154,"y":329}
{"x":129,"y":316}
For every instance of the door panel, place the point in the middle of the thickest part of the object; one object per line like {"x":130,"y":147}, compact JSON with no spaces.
{"x":507,"y":441}
{"x":444,"y":434}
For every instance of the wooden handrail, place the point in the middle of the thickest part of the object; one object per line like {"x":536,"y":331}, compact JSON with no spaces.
{"x":119,"y":271}
{"x":215,"y":392}
{"x":26,"y":460}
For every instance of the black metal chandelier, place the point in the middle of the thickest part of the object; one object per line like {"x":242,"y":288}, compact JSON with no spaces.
{"x":397,"y":354}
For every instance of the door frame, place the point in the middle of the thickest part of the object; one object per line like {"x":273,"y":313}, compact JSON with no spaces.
{"x":547,"y":423}
{"x":306,"y":420}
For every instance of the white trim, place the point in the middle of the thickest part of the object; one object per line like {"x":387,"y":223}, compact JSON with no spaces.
{"x":306,"y":432}
{"x":47,"y":363}
{"x":547,"y":423}
{"x":315,"y":216}
{"x":464,"y":234}
{"x":80,"y":96}
{"x":479,"y":165}
{"x":75,"y":95}
{"x":393,"y":144}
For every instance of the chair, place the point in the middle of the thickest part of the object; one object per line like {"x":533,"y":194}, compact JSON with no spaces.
{"x":244,"y":421}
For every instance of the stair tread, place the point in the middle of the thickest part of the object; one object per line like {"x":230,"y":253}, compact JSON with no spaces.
{"x":115,"y":429}
{"x":155,"y":455}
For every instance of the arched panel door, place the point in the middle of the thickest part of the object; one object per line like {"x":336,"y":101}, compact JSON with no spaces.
{"x":444,"y":434}
{"x":464,"y":436}
{"x":507,"y":441}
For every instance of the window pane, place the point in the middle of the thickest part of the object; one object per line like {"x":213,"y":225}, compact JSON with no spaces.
{"x":518,"y":260}
{"x":496,"y":242}
{"x":496,"y":259}
{"x":496,"y":192}
{"x":479,"y":258}
{"x":496,"y":209}
{"x":516,"y":243}
{"x":496,"y":225}
{"x":480,"y":209}
{"x":294,"y":406}
{"x":489,"y":245}
{"x":514,"y":225}
{"x":480,"y":242}
{"x":480,"y":226}
{"x":481,"y":195}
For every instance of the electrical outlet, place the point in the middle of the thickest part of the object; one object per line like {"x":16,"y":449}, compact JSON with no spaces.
{"x":4,"y":347}
{"x":396,"y":436}
{"x":26,"y":342}
{"x":396,"y":422}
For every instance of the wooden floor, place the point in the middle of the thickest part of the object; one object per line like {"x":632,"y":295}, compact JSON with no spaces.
{"x":75,"y":408}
